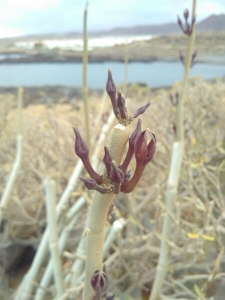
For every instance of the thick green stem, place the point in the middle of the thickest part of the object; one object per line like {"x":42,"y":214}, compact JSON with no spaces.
{"x":98,"y":214}
{"x":171,"y":193}
{"x":173,"y":180}
{"x":188,"y":59}
{"x":84,"y":86}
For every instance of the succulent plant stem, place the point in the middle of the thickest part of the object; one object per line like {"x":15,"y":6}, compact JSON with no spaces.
{"x":173,"y":180}
{"x":187,"y":66}
{"x":95,"y":233}
{"x":84,"y":85}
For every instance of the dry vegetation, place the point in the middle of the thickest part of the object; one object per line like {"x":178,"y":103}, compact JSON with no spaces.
{"x":197,"y":258}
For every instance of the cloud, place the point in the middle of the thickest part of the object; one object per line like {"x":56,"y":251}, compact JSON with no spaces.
{"x":46,"y":16}
{"x":32,"y":5}
{"x":212,"y":7}
{"x":9,"y":32}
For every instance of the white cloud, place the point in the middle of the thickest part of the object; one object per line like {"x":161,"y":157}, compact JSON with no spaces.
{"x":29,"y":4}
{"x":9,"y":32}
{"x":205,"y":8}
{"x":44,"y":16}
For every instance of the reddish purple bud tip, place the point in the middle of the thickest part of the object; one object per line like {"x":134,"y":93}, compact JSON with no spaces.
{"x":121,"y":106}
{"x":141,"y":110}
{"x":140,"y":149}
{"x":144,"y":152}
{"x":81,"y":148}
{"x":111,"y":90}
{"x":116,"y":175}
{"x":186,"y":14}
{"x":91,"y":184}
{"x":151,"y":147}
{"x":110,"y":85}
{"x":135,"y":134}
{"x":132,"y":141}
{"x":107,"y":160}
{"x":179,"y":22}
{"x":99,"y":280}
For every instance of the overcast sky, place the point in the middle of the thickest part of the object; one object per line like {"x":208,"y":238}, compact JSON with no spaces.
{"x":18,"y":17}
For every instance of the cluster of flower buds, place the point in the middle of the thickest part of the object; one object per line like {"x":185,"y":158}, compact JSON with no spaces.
{"x":187,"y":27}
{"x":99,"y":283}
{"x":118,"y":103}
{"x":142,"y":146}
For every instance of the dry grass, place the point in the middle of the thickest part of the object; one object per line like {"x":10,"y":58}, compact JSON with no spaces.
{"x":197,"y":260}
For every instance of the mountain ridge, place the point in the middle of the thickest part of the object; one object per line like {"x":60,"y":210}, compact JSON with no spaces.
{"x":213,"y":23}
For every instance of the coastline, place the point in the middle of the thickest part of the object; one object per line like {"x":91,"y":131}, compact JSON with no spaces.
{"x":210,"y":49}
{"x":60,"y":94}
{"x":220,"y":60}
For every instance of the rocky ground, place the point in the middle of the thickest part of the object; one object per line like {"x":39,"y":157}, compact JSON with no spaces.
{"x":210,"y":48}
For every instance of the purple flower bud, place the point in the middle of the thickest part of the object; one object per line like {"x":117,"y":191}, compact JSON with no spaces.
{"x":144,"y":153}
{"x":111,"y":90}
{"x":188,"y":29}
{"x":140,"y":148}
{"x":98,"y":283}
{"x":141,"y":110}
{"x":130,"y":151}
{"x":135,"y":134}
{"x":121,"y":106}
{"x":110,"y":85}
{"x":179,"y":22}
{"x":91,"y":184}
{"x":82,"y":151}
{"x":81,"y":148}
{"x":186,"y":14}
{"x":151,"y":147}
{"x":117,"y":177}
{"x":107,"y":160}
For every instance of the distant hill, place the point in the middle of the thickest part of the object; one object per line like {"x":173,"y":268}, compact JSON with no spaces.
{"x":212,"y":23}
{"x":143,"y":30}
